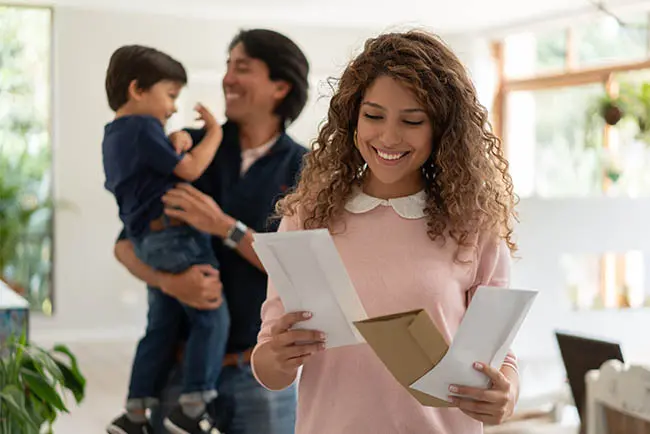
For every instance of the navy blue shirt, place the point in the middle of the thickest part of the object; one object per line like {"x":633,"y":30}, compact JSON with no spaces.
{"x":250,"y":198}
{"x":139,"y":161}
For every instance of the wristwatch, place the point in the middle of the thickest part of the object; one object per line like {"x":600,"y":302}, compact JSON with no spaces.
{"x":235,"y":235}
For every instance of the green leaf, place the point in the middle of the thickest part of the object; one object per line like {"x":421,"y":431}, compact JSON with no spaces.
{"x":74,"y":366}
{"x":9,"y":400}
{"x":41,"y":388}
{"x":41,"y":409}
{"x":73,"y":381}
{"x":42,"y":359}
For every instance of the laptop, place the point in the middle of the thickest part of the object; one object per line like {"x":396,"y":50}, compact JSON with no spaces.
{"x":580,"y":355}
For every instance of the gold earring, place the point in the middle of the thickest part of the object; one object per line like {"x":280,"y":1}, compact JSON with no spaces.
{"x":356,"y":143}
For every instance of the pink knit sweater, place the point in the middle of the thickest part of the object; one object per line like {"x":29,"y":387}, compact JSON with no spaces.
{"x":394,"y":267}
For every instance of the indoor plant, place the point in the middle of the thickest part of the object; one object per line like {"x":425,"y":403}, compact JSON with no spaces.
{"x":33,"y":382}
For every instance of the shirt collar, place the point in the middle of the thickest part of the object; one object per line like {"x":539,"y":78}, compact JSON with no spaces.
{"x":408,"y":207}
{"x":260,"y":150}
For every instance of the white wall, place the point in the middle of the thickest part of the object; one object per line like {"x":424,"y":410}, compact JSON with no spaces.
{"x":94,"y":296}
{"x":551,"y":228}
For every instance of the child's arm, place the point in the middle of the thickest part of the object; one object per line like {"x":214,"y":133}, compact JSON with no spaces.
{"x":194,"y":163}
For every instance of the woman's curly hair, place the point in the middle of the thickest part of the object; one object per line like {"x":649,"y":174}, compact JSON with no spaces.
{"x":469,"y":188}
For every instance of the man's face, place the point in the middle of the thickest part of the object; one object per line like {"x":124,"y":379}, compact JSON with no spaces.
{"x":249,"y":92}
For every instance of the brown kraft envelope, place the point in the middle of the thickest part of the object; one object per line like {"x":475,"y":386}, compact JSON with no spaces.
{"x":410,"y":345}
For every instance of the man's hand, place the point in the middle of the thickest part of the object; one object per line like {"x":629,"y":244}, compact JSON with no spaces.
{"x":198,"y":287}
{"x":181,"y":140}
{"x":197,"y":209}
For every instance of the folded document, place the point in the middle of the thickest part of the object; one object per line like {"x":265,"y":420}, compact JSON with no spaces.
{"x":309,"y":275}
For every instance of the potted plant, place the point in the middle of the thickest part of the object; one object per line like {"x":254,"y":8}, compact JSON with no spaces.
{"x":33,"y":384}
{"x":610,"y":109}
{"x":639,"y":109}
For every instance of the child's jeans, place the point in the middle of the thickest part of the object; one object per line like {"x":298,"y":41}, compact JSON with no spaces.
{"x":174,"y":250}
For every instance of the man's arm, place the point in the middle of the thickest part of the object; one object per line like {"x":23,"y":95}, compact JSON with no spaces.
{"x":245,"y":246}
{"x":198,"y":287}
{"x":125,"y":254}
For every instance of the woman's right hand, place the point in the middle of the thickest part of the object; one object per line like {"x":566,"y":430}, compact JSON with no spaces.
{"x":290,"y":348}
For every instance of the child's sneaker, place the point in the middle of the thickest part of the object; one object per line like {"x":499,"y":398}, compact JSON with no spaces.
{"x":123,"y":425}
{"x":179,"y":423}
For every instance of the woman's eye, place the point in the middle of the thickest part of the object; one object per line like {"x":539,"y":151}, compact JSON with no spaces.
{"x":414,"y":122}
{"x":372,"y":117}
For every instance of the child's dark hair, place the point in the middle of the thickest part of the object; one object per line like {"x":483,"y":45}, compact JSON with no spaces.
{"x":147,"y":66}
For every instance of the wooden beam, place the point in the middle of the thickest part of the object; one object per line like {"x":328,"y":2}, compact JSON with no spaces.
{"x":572,"y":78}
{"x":499,"y":102}
{"x":570,"y":52}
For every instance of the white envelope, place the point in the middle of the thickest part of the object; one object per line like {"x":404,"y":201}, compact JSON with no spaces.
{"x":485,"y":334}
{"x":309,"y":275}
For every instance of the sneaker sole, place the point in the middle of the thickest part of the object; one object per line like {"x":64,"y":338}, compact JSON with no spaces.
{"x":112,"y":429}
{"x":173,"y":429}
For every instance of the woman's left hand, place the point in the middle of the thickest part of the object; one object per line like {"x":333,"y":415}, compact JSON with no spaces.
{"x":491,"y":406}
{"x":197,"y":209}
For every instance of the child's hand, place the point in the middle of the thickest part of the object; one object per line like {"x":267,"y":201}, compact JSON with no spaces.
{"x":181,"y":140}
{"x":207,"y":117}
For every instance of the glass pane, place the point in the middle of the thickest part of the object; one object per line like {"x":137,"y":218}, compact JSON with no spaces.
{"x":528,"y":54}
{"x":629,"y":151}
{"x":25,"y":158}
{"x":606,"y":41}
{"x":553,"y":145}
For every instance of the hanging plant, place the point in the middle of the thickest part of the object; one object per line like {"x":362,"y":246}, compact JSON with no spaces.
{"x":611,"y":109}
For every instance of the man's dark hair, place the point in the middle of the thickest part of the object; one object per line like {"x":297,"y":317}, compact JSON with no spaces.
{"x":285,"y":62}
{"x":147,"y":66}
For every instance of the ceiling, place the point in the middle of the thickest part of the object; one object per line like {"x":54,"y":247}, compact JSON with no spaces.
{"x":459,"y":16}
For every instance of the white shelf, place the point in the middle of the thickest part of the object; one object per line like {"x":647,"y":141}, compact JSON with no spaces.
{"x":10,"y":300}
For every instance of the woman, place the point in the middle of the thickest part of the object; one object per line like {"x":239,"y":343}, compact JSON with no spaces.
{"x":415,"y":190}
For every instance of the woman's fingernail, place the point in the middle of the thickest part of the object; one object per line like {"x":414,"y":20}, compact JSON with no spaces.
{"x":321,"y":346}
{"x":322,"y":336}
{"x":478,"y":366}
{"x":306,"y":314}
{"x":453,"y":389}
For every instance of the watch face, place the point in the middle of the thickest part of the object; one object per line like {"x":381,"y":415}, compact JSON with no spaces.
{"x":237,"y":233}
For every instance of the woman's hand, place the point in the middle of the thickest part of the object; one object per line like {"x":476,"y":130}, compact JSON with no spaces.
{"x":289,"y":349}
{"x":491,"y":406}
{"x":197,"y":209}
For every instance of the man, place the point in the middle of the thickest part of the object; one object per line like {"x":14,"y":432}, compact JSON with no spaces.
{"x":266,"y":89}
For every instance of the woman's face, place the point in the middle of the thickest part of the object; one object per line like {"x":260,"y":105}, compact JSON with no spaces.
{"x":394,"y":136}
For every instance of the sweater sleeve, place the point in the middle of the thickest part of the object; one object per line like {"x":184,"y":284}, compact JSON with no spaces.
{"x":493,"y":269}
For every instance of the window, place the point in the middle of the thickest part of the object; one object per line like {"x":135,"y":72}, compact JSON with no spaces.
{"x":573,"y":110}
{"x":606,"y":281}
{"x":25,"y":153}
{"x":548,"y":111}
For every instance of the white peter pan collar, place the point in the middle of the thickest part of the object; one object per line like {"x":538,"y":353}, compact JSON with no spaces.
{"x":409,"y":207}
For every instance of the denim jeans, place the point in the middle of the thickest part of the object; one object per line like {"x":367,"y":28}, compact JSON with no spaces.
{"x":242,"y":407}
{"x":174,"y":250}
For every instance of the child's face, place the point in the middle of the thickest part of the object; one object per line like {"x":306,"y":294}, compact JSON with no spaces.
{"x":159,"y":100}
